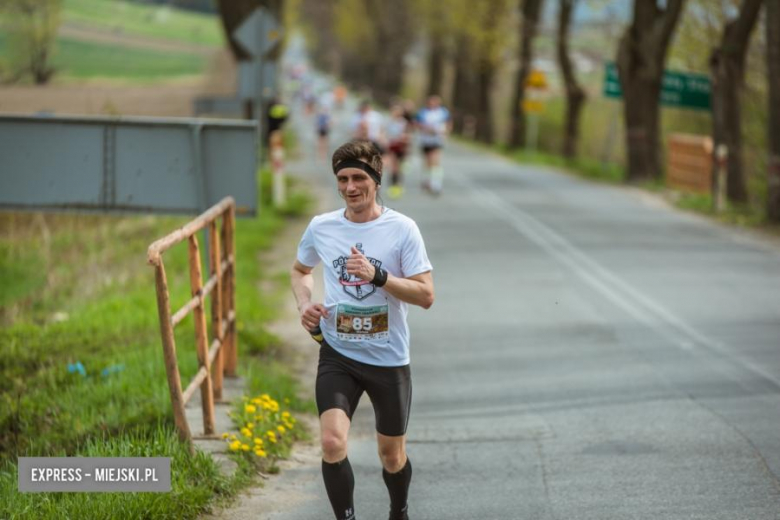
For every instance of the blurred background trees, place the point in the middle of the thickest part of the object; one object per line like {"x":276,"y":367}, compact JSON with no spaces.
{"x":482,"y":56}
{"x":31,"y":30}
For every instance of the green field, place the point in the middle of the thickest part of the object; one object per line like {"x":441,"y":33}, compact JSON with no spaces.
{"x":79,"y":59}
{"x":76,"y":290}
{"x":76,"y":58}
{"x":145,"y":20}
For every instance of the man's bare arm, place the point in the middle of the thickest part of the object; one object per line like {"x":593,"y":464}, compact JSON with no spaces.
{"x":417,"y":290}
{"x":302,"y":283}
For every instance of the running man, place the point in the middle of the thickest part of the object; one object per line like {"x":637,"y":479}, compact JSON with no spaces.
{"x":323,"y":122}
{"x":367,"y":124}
{"x":375,"y":265}
{"x":433,"y":123}
{"x":398,"y":141}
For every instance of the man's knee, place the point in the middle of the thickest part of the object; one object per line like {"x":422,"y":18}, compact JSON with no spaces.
{"x":393,"y":457}
{"x":334,"y":446}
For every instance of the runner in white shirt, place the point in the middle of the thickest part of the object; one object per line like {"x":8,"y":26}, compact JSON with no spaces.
{"x":433,"y":123}
{"x":375,"y":265}
{"x":367,"y":124}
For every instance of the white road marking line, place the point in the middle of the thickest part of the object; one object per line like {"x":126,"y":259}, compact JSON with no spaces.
{"x":633,"y":302}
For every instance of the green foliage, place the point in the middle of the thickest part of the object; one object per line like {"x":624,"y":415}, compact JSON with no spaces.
{"x":352,"y":26}
{"x":31,"y":26}
{"x":80,"y":356}
{"x":266,"y":430}
{"x":195,"y":481}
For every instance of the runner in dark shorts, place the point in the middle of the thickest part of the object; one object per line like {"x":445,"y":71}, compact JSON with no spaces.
{"x":398,"y":133}
{"x":341,"y":382}
{"x":375,"y":266}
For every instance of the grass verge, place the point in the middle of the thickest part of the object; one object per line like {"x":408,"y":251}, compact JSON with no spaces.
{"x":81,"y":369}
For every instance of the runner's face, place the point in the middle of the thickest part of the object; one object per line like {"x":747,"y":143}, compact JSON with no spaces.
{"x":357,"y":189}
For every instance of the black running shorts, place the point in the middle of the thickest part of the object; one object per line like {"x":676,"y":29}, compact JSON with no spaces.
{"x":341,"y":381}
{"x":428,"y":148}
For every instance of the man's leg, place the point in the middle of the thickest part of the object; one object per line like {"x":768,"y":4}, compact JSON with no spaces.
{"x":397,"y":473}
{"x":437,"y":172}
{"x":336,"y":470}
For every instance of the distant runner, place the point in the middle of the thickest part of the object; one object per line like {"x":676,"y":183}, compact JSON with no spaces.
{"x":434,"y":124}
{"x":367,"y":124}
{"x":398,"y":132}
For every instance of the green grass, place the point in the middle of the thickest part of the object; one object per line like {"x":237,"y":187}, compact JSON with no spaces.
{"x":82,"y":60}
{"x":76,"y":288}
{"x":90,"y":60}
{"x":145,"y":20}
{"x":195,"y":483}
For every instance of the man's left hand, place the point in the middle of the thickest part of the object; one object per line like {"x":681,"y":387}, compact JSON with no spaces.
{"x":358,"y":265}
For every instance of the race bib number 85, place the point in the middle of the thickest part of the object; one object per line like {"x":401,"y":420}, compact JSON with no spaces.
{"x":355,"y":323}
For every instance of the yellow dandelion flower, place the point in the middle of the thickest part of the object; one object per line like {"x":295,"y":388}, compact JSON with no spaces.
{"x":265,"y":396}
{"x":246,"y":432}
{"x":261,"y":453}
{"x":280,"y":428}
{"x":250,"y":425}
{"x":250,"y":408}
{"x":258,"y":441}
{"x":235,"y":445}
{"x":285,"y":414}
{"x":245,"y":447}
{"x":225,"y":435}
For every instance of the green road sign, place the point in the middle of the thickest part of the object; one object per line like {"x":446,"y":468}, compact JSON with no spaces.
{"x":679,"y":89}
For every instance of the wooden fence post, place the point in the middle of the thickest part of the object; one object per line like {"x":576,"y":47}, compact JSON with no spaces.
{"x":215,"y":257}
{"x":169,"y":352}
{"x":201,"y":337}
{"x":231,"y":355}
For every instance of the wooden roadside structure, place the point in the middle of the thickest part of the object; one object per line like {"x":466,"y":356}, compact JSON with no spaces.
{"x":689,"y":163}
{"x":214,"y":361}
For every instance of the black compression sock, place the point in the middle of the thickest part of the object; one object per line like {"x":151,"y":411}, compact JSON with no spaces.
{"x":340,"y":484}
{"x":398,"y":487}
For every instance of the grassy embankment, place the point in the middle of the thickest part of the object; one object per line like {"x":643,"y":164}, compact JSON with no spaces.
{"x":78,"y":59}
{"x":76,"y":289}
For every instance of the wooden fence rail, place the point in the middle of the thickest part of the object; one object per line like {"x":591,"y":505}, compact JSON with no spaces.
{"x":213,"y":360}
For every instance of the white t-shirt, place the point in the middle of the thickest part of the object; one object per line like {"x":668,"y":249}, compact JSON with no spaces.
{"x":433,"y":125}
{"x":365,"y":323}
{"x":368,"y":125}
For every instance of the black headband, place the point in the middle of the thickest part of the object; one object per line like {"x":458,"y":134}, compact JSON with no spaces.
{"x":360,"y":165}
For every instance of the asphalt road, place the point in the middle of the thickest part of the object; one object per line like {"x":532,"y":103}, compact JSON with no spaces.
{"x":592,"y":354}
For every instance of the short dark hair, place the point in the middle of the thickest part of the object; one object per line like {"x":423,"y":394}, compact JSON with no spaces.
{"x":361,"y":150}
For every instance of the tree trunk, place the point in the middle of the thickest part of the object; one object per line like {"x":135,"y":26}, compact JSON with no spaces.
{"x":773,"y":78}
{"x":531,"y":12}
{"x":727,"y":66}
{"x":391,"y":23}
{"x":640,"y":62}
{"x":435,"y":65}
{"x":483,"y":109}
{"x":575,"y":95}
{"x":464,"y":86}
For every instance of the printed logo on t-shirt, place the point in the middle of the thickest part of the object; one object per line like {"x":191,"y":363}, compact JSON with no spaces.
{"x":352,"y":285}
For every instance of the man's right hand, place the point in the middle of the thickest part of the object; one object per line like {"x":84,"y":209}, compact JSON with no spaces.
{"x":311,"y":314}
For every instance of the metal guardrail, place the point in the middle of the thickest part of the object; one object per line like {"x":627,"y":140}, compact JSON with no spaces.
{"x":221,"y":285}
